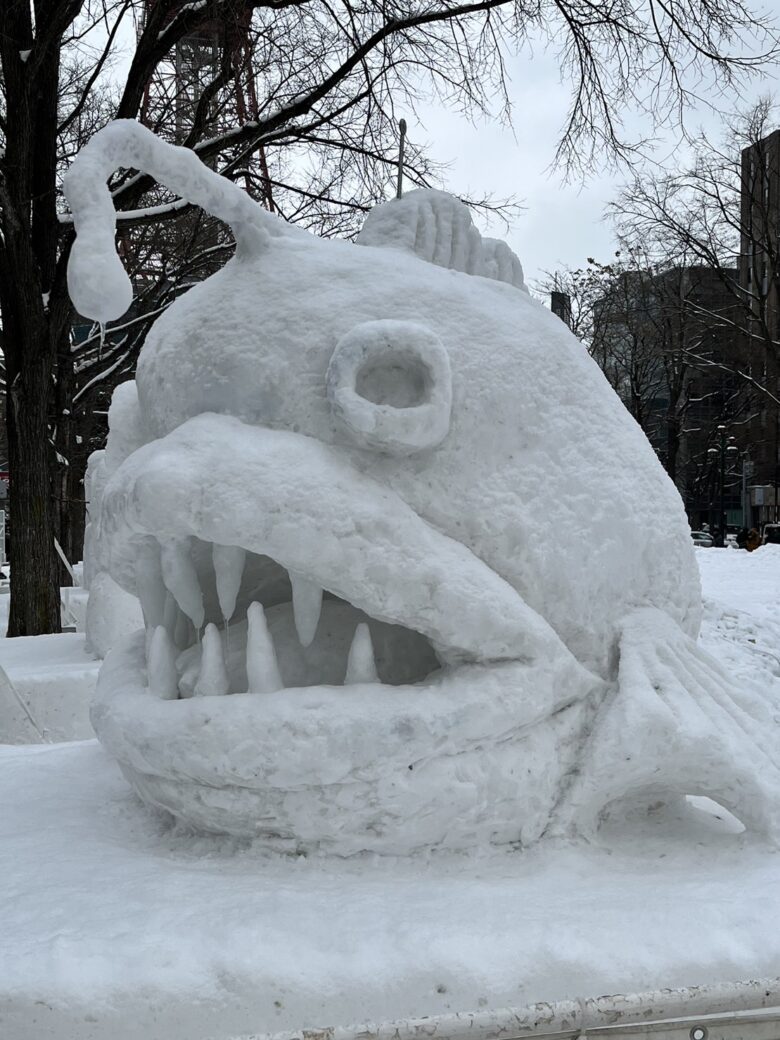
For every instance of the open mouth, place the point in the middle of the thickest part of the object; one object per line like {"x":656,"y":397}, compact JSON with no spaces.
{"x":218,"y":516}
{"x":237,"y":622}
{"x":321,"y":667}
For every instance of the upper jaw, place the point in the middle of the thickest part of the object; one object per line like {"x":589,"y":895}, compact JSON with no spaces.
{"x":296,"y":501}
{"x":473,"y":751}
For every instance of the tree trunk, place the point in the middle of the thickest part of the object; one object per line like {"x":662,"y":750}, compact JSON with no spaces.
{"x":672,"y":446}
{"x":35,"y":309}
{"x":35,"y":605}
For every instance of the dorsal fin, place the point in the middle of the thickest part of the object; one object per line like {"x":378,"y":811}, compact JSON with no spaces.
{"x":438,"y":228}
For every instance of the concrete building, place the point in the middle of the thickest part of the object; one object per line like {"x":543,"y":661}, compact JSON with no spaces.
{"x":759,"y":278}
{"x":666,"y":342}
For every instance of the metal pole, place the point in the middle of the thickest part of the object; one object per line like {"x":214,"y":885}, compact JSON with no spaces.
{"x":566,"y":1018}
{"x":747,"y":473}
{"x":722,"y":521}
{"x":64,"y":559}
{"x":400,"y":184}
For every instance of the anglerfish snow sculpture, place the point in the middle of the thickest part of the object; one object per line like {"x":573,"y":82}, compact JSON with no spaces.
{"x":411,"y":575}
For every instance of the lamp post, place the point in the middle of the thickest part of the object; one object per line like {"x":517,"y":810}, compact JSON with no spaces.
{"x":727,"y":448}
{"x":747,"y":470}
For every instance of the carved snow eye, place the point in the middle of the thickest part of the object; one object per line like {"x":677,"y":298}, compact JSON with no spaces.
{"x":390,"y":384}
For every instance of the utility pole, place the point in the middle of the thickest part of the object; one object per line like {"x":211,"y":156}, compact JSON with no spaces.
{"x":747,"y":470}
{"x":402,"y":141}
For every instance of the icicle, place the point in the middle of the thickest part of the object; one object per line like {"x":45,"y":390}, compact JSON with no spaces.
{"x":228,"y":570}
{"x":102,"y":325}
{"x":213,"y":679}
{"x":181,"y":578}
{"x":163,"y":679}
{"x":307,"y":605}
{"x":361,"y":666}
{"x":262,"y":670}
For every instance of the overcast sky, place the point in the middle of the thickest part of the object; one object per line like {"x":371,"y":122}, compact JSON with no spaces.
{"x":562,"y":223}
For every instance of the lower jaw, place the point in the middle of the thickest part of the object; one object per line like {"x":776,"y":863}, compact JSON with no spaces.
{"x":471,"y":756}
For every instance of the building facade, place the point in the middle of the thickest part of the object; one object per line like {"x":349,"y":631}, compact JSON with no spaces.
{"x":759,"y":279}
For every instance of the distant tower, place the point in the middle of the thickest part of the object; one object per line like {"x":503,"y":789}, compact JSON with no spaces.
{"x":172,"y":93}
{"x":560,"y":304}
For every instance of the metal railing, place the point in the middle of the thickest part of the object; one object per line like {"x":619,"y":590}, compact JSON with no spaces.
{"x":730,"y":1011}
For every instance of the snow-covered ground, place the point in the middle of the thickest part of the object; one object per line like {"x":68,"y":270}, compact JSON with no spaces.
{"x":741,"y":624}
{"x":113,"y":925}
{"x":46,"y":686}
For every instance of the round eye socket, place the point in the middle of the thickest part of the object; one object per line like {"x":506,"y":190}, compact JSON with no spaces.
{"x":390,"y":384}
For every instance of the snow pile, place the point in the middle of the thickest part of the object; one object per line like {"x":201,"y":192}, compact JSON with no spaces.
{"x":354,"y":463}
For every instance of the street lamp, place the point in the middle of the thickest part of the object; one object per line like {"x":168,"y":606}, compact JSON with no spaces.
{"x":727,"y":448}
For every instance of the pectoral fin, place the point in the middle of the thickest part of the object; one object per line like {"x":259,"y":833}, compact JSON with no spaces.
{"x":677,"y":723}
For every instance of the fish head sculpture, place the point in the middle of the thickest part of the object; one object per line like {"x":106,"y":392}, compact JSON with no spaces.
{"x":386,"y":520}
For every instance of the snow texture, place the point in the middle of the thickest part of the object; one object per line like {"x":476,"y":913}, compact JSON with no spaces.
{"x":389,"y":382}
{"x":46,"y":687}
{"x":98,"y":284}
{"x":427,"y":224}
{"x":118,"y":926}
{"x":424,"y":480}
{"x":112,"y":614}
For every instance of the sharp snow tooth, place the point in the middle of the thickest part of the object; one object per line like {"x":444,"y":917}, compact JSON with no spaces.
{"x":262,"y":670}
{"x":149,"y":582}
{"x":181,"y":578}
{"x":213,"y":679}
{"x":307,"y":604}
{"x":361,"y":667}
{"x":228,"y":570}
{"x":163,"y":679}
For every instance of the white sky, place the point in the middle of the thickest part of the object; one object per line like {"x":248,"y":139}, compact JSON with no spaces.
{"x":562,"y":223}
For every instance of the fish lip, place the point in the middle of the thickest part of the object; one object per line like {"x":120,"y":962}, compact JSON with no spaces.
{"x":412,"y":767}
{"x":464,"y":702}
{"x":302,"y":503}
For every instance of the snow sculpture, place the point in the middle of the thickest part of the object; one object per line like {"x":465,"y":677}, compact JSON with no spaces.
{"x":112,"y":613}
{"x":410,"y":574}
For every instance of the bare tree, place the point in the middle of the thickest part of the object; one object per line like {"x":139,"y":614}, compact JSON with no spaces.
{"x":722,"y":213}
{"x":319,"y":146}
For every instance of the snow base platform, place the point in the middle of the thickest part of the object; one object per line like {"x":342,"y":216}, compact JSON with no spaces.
{"x":46,"y":687}
{"x":117,"y":924}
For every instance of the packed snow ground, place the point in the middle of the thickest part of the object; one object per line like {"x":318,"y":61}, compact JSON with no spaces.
{"x":113,"y":925}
